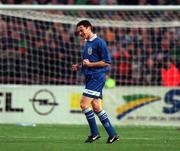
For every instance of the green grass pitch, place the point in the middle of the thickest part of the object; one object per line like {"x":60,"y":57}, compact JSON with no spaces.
{"x":71,"y":138}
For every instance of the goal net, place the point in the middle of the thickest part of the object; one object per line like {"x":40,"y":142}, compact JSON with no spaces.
{"x":39,"y":47}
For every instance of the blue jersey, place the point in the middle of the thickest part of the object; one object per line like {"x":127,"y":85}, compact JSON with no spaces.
{"x":96,"y":50}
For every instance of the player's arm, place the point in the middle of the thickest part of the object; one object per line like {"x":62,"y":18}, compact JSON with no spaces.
{"x":87,"y":63}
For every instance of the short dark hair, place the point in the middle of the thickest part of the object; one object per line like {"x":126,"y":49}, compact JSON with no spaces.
{"x":85,"y":23}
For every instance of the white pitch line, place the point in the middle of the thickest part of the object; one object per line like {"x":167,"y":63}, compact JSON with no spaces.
{"x":123,"y":138}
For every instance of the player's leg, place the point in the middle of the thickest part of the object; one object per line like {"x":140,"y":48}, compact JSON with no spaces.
{"x":89,"y":113}
{"x":93,"y":90}
{"x":96,"y":104}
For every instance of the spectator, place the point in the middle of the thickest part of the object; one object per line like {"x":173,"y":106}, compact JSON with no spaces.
{"x":65,"y":2}
{"x":110,"y":82}
{"x":142,"y":2}
{"x":108,"y":2}
{"x":125,"y":2}
{"x":80,"y":2}
{"x":175,"y":53}
{"x":124,"y":71}
{"x":110,"y":35}
{"x":170,"y":74}
{"x":93,"y":2}
{"x":150,"y":73}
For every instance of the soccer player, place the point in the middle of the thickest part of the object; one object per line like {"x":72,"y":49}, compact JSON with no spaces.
{"x":95,"y":64}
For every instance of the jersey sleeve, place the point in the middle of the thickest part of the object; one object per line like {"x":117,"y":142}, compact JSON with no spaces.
{"x":104,"y":52}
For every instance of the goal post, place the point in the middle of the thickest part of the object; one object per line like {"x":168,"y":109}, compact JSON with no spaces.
{"x":39,"y":44}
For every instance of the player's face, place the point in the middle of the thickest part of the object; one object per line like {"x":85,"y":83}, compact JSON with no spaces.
{"x":84,"y":32}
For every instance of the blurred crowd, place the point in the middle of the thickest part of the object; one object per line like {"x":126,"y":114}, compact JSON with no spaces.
{"x":38,"y":52}
{"x":94,"y":2}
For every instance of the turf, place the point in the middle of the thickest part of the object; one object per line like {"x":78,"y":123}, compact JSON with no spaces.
{"x":71,"y":138}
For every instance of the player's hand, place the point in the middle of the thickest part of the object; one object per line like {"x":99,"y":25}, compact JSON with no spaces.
{"x":86,"y":62}
{"x":75,"y":67}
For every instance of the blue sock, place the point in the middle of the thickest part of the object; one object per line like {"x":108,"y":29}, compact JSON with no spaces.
{"x":91,"y":120}
{"x":106,"y":123}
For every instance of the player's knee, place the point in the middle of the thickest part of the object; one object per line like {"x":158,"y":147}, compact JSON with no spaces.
{"x":96,"y":106}
{"x":97,"y":109}
{"x":83,"y":106}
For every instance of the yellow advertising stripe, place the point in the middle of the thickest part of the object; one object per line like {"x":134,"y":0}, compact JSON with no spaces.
{"x":135,"y":103}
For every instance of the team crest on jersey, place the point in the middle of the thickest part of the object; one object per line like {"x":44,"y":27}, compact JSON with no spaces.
{"x":90,"y":51}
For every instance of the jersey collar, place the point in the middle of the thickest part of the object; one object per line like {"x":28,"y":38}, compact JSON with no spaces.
{"x":93,"y":37}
